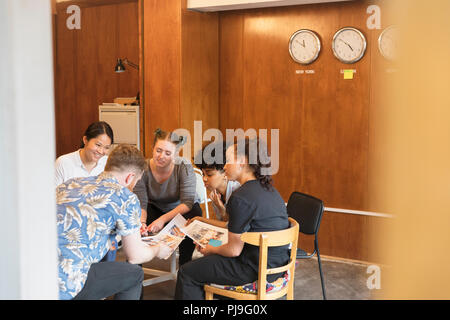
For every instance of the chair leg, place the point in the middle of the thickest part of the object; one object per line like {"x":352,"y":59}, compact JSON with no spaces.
{"x":320,"y":270}
{"x":208,"y":295}
{"x":290,"y":293}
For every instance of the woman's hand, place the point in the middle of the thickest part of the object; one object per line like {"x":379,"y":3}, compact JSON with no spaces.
{"x":191,"y":220}
{"x":206,"y":251}
{"x":217,"y":199}
{"x":156,"y":225}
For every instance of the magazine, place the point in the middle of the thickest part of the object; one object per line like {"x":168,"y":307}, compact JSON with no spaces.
{"x":176,"y":230}
{"x":171,"y":235}
{"x":204,"y":233}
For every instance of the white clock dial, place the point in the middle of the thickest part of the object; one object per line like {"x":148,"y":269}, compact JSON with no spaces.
{"x":349,"y":45}
{"x":304,"y":46}
{"x":387,"y":43}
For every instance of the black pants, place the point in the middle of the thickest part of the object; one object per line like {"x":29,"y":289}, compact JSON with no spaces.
{"x":211,"y":269}
{"x":104,"y":279}
{"x":187,"y":246}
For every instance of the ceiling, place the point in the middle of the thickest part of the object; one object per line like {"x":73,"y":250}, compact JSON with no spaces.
{"x":223,"y":5}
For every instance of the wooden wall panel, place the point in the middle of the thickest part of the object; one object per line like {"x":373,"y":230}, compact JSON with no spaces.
{"x":231,"y":73}
{"x":162,"y":63}
{"x":181,"y":68}
{"x":85,"y":61}
{"x":200,"y":70}
{"x":324,"y":120}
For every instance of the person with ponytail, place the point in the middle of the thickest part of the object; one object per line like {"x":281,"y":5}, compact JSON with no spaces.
{"x":255,"y":207}
{"x":167,"y":188}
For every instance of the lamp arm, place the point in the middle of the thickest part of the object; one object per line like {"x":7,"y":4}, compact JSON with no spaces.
{"x":131,"y":64}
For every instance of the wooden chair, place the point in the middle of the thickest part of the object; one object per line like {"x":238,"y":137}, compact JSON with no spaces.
{"x":265,"y":240}
{"x":201,"y":192}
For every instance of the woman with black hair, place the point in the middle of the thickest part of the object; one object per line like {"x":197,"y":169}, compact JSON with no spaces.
{"x":255,"y":207}
{"x":167,"y":188}
{"x":90,"y":159}
{"x":212,"y":165}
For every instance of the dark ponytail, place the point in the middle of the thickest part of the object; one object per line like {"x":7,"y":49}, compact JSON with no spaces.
{"x":258,"y":159}
{"x":97,"y":128}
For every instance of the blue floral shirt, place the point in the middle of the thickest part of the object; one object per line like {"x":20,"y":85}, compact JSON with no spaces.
{"x":91,"y":211}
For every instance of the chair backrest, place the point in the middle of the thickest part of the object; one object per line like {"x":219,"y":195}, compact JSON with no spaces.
{"x":274,"y":239}
{"x":307,"y":210}
{"x":201,"y":190}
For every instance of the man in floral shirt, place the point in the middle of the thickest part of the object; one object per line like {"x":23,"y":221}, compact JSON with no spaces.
{"x":91,"y":211}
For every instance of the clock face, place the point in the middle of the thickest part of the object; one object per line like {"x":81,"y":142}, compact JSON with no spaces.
{"x":349,"y":45}
{"x":304,"y":46}
{"x":387,"y":43}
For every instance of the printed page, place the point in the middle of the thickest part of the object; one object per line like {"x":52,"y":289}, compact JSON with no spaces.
{"x":169,"y":240}
{"x":171,"y":235}
{"x":204,"y":233}
{"x":175,"y":227}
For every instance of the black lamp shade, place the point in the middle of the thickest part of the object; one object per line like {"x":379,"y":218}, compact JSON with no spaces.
{"x":119,"y":66}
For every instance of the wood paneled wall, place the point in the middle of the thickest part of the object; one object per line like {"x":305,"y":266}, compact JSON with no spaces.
{"x":181,"y":65}
{"x":233,"y":70}
{"x":324,"y":120}
{"x":85,"y":61}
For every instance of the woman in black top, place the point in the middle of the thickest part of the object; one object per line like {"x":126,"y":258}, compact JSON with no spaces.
{"x":255,"y":207}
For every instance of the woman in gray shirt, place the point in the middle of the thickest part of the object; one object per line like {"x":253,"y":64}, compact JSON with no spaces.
{"x":167,"y":188}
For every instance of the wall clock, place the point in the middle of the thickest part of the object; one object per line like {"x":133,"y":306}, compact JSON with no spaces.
{"x":387,"y":43}
{"x":304,"y":46}
{"x":349,"y":45}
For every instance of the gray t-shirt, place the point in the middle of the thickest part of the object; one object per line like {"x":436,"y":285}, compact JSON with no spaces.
{"x":179,"y":188}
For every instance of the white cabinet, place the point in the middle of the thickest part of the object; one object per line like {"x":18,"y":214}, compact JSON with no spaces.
{"x":124,"y":120}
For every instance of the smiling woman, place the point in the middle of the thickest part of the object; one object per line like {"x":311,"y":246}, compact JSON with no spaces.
{"x":167,"y":188}
{"x":90,"y":159}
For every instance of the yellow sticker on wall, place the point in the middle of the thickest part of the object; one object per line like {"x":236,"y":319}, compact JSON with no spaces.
{"x":348,"y":74}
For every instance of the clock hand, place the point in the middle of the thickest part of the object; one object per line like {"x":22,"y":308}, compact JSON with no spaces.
{"x":347,"y":44}
{"x":303,"y":45}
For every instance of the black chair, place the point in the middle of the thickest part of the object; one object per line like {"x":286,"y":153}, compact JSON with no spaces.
{"x":307,"y":211}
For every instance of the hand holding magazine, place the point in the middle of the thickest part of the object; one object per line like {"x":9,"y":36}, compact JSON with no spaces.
{"x":203,"y":233}
{"x":176,"y":230}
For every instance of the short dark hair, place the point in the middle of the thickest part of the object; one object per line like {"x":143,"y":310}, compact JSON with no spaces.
{"x":97,"y":128}
{"x":207,"y":159}
{"x":177,"y":140}
{"x":125,"y":156}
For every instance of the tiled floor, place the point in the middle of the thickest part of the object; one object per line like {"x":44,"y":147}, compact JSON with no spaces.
{"x":343,"y":281}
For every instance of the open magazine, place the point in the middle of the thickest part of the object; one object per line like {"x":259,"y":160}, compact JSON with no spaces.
{"x":175,"y":232}
{"x":204,"y":233}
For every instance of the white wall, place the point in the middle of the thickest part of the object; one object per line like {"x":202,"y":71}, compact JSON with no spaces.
{"x":28,"y":263}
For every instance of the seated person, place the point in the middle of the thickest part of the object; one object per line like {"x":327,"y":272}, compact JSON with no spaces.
{"x":212,"y":163}
{"x":89,"y":160}
{"x":168,"y":188}
{"x":90,"y":212}
{"x":255,"y":207}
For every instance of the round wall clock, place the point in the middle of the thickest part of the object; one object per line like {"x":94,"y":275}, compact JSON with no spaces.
{"x":304,"y":46}
{"x":387,"y":43}
{"x":349,"y":45}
